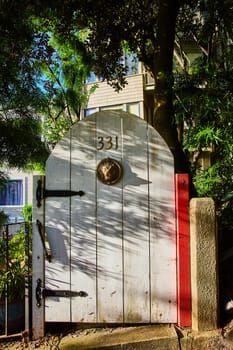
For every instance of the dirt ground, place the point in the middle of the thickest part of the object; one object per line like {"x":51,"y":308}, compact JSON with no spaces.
{"x":221,"y":339}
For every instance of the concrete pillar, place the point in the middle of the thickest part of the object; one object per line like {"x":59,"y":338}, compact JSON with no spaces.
{"x":204,"y":271}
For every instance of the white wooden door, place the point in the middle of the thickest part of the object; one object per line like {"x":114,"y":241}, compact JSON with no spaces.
{"x":117,"y":242}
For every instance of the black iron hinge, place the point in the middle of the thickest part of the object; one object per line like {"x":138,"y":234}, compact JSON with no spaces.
{"x":42,"y":193}
{"x":43,"y":292}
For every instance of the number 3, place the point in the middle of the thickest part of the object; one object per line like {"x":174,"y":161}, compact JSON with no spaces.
{"x":107,"y":143}
{"x":100,"y":142}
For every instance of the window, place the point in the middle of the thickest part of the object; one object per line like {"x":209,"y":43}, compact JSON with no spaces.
{"x":89,"y":111}
{"x":129,"y":60}
{"x":12,"y":193}
{"x":115,"y":107}
{"x":133,"y":108}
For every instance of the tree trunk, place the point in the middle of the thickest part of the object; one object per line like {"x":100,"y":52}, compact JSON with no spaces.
{"x":164,"y":121}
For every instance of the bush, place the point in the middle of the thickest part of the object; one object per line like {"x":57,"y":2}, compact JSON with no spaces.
{"x":12,"y":275}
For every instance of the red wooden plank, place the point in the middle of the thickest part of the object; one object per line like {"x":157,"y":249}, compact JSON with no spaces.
{"x":183,"y":251}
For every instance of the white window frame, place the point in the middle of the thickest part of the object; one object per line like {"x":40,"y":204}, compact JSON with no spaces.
{"x":24,"y":180}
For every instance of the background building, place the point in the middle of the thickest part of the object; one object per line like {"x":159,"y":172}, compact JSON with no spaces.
{"x":137,"y":95}
{"x":16,"y":193}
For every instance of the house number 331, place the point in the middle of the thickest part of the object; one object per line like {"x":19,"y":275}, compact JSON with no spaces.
{"x":107,"y":142}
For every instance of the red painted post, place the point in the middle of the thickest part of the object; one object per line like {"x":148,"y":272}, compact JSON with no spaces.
{"x":183,"y":251}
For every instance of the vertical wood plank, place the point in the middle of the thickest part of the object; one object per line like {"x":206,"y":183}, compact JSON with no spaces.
{"x":109,"y":226}
{"x":83,"y":220}
{"x":162,"y":231}
{"x":135,"y":222}
{"x":183,"y":250}
{"x":57,"y":225}
{"x":38,"y":317}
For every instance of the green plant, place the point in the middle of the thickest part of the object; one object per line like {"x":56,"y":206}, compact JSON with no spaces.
{"x":27,"y":212}
{"x":12,"y":273}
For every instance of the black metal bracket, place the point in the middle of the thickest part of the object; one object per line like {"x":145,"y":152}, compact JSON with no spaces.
{"x":43,"y":292}
{"x":39,"y":192}
{"x":44,"y":241}
{"x":64,"y":293}
{"x":42,"y":193}
{"x":39,"y":292}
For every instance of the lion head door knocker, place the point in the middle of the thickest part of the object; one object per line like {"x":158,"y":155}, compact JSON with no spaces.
{"x":109,"y":171}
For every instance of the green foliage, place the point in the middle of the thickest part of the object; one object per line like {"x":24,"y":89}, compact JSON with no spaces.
{"x":54,"y":130}
{"x":27,"y":212}
{"x":14,"y":64}
{"x":38,"y":75}
{"x":205,"y":105}
{"x":63,"y":71}
{"x":12,"y":277}
{"x":208,"y":182}
{"x":204,"y":97}
{"x":20,"y":141}
{"x":204,"y":100}
{"x":19,"y":95}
